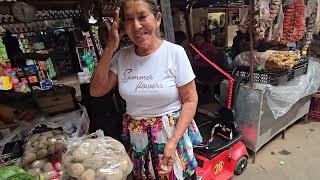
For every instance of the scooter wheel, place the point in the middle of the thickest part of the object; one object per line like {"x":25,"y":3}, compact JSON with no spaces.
{"x":241,"y":165}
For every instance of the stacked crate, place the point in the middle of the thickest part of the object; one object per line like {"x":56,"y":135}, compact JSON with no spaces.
{"x":315,"y":106}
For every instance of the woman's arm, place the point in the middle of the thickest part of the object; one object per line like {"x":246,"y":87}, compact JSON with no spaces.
{"x":103,"y":80}
{"x":189,"y":99}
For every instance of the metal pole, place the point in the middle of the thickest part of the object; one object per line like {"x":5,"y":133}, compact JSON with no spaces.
{"x":251,"y":25}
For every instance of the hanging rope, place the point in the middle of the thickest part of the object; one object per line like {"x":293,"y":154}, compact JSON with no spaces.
{"x":231,"y":79}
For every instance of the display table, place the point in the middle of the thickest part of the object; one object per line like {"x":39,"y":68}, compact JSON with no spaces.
{"x":264,"y":111}
{"x":75,"y":123}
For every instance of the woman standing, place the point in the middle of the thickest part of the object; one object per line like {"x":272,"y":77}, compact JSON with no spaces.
{"x":156,"y":80}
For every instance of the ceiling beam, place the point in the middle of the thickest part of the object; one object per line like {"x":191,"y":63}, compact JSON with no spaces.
{"x":52,"y":5}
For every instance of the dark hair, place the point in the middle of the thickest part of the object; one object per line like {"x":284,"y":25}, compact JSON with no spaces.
{"x":197,"y":35}
{"x":245,"y":36}
{"x":180,"y":36}
{"x":207,"y":35}
{"x":155,"y":8}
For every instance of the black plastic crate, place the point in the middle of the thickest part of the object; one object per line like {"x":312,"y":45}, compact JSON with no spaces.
{"x":274,"y":77}
{"x":299,"y":70}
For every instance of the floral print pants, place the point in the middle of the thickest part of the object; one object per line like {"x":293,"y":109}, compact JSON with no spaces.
{"x":145,"y":140}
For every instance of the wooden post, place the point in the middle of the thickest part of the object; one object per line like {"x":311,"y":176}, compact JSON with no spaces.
{"x":251,"y":29}
{"x":167,"y":20}
{"x":188,"y":17}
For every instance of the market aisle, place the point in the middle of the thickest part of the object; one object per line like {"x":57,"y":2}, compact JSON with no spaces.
{"x":299,"y":152}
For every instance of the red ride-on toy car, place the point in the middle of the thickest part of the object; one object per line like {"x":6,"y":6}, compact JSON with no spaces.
{"x":222,"y":155}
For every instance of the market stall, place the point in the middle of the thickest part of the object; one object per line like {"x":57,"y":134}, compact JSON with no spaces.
{"x":273,"y":103}
{"x":271,"y":49}
{"x":267,"y":110}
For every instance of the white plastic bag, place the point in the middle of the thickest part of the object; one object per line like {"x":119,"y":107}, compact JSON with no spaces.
{"x":260,"y":58}
{"x":100,"y":157}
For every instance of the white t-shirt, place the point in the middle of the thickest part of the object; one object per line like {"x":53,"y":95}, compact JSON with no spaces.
{"x":149,"y":84}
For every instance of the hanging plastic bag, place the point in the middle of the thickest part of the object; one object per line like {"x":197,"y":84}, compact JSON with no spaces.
{"x":264,"y":14}
{"x":260,"y":58}
{"x":276,"y":29}
{"x":244,"y":24}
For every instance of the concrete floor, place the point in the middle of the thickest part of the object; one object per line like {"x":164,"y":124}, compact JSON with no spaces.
{"x":300,"y":153}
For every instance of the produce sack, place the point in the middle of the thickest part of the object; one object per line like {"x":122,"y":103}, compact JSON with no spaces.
{"x":96,"y":157}
{"x":42,"y":153}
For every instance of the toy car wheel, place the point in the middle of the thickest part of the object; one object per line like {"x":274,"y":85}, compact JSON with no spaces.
{"x":241,"y":165}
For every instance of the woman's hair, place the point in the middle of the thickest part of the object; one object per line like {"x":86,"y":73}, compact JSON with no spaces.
{"x":207,"y":35}
{"x":155,"y":8}
{"x":153,"y":4}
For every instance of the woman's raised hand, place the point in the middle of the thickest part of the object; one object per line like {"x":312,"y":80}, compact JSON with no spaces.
{"x":113,"y":33}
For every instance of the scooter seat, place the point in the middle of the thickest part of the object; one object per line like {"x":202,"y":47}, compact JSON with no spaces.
{"x":218,"y":144}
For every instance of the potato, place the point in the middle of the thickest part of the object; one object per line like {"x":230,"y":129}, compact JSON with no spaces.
{"x":42,"y":153}
{"x":81,"y":154}
{"x":29,"y":157}
{"x":124,"y":165}
{"x":26,"y":145}
{"x":47,"y":134}
{"x":57,"y":132}
{"x":130,"y":165}
{"x":90,"y":144}
{"x":43,"y":138}
{"x":51,"y":149}
{"x":31,"y":149}
{"x":51,"y":141}
{"x":48,"y":175}
{"x":35,"y":144}
{"x":39,"y":163}
{"x":103,"y":174}
{"x":34,"y":138}
{"x":42,"y":145}
{"x":111,"y":158}
{"x":93,"y":162}
{"x":66,"y":160}
{"x":34,"y":172}
{"x":76,"y":170}
{"x":89,"y":174}
{"x":47,"y":167}
{"x":118,"y":146}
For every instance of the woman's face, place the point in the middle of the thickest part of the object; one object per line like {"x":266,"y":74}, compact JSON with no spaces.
{"x":140,"y":23}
